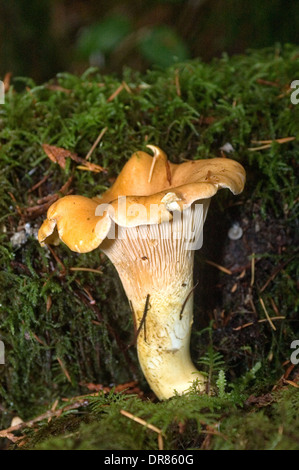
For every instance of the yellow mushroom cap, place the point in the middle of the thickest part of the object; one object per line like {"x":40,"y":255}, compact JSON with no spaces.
{"x":144,"y":183}
{"x":72,"y":219}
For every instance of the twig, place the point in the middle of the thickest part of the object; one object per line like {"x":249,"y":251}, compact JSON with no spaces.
{"x":48,"y":414}
{"x":97,"y":271}
{"x":143,"y":320}
{"x":140,"y":421}
{"x":258,"y":321}
{"x":15,"y":201}
{"x":291,"y":382}
{"x":64,"y":370}
{"x":87,"y":293}
{"x":275,"y":272}
{"x":285,"y":375}
{"x":274,"y":306}
{"x":39,"y":340}
{"x":90,"y":297}
{"x":37,"y":185}
{"x":90,"y":167}
{"x":252,"y":269}
{"x":53,"y":408}
{"x":218,"y":266}
{"x":177,"y":83}
{"x":267,"y":82}
{"x":115,"y":93}
{"x":268,"y":143}
{"x":58,"y":260}
{"x":210,"y":429}
{"x":283,"y":140}
{"x":96,"y":142}
{"x":45,"y":202}
{"x":147,"y":425}
{"x":252,"y":304}
{"x":186,"y":300}
{"x":266,"y":313}
{"x":126,"y":87}
{"x":77,"y":402}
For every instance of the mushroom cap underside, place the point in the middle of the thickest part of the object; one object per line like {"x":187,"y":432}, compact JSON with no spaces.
{"x":147,"y":191}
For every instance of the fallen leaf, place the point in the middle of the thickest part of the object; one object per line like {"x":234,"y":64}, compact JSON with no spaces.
{"x":263,"y":400}
{"x":57,"y":154}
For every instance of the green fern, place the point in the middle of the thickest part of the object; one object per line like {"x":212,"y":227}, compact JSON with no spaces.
{"x":212,"y":361}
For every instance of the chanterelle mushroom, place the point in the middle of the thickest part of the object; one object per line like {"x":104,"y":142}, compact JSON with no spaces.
{"x":149,"y":223}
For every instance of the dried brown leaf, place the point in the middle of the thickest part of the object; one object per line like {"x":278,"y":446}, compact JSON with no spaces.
{"x":56,"y":154}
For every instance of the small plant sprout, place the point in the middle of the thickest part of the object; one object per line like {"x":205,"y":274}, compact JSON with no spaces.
{"x":148,"y":224}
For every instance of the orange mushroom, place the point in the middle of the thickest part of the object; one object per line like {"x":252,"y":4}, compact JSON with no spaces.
{"x":148,"y":224}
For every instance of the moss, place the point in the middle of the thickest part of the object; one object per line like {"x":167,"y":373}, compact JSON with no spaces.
{"x":63,"y":328}
{"x":272,"y":427}
{"x":186,"y":423}
{"x":116,"y":431}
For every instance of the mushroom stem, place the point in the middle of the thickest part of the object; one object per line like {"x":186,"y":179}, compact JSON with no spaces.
{"x":163,"y":343}
{"x":155,"y":264}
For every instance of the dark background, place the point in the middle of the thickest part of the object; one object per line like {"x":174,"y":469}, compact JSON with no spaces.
{"x":39,"y":38}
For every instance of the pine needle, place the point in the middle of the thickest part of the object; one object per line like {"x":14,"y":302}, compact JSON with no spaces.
{"x":266,"y":313}
{"x":268,"y":143}
{"x":97,"y":271}
{"x":218,"y":266}
{"x":147,"y":425}
{"x":103,"y":131}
